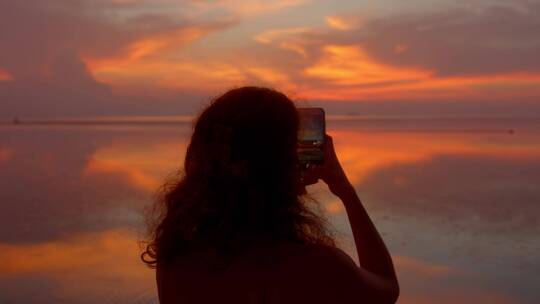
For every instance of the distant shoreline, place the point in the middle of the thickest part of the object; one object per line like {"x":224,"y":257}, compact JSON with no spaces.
{"x":433,"y":124}
{"x":166,"y":120}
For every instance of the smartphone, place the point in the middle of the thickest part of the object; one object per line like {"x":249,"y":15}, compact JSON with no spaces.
{"x":311,"y":136}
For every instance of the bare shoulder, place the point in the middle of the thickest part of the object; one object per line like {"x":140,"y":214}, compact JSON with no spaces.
{"x":331,"y":267}
{"x":324,"y":256}
{"x":330,"y":262}
{"x":332,"y":254}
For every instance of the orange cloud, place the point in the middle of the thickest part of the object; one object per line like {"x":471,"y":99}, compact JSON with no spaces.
{"x":247,"y":8}
{"x":282,"y":38}
{"x":343,"y":24}
{"x":139,"y":50}
{"x":274,"y":35}
{"x":342,"y":72}
{"x":5,"y":75}
{"x":401,"y":48}
{"x":153,"y":64}
{"x":348,"y":73}
{"x":506,"y":84}
{"x":350,"y":65}
{"x":214,"y":76}
{"x":198,"y":74}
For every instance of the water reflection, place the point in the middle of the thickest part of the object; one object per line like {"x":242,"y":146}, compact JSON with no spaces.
{"x":141,"y":166}
{"x":459,"y":210}
{"x":83,"y":268}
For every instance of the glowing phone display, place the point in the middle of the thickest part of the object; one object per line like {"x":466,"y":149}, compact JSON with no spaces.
{"x":311,"y":135}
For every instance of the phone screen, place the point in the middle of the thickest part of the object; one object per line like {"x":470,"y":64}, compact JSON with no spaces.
{"x":311,"y":135}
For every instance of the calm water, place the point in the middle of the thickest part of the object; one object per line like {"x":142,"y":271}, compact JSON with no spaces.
{"x":457,"y":200}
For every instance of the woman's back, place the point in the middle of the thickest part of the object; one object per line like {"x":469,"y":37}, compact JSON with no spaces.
{"x":281,"y":273}
{"x":243,"y":183}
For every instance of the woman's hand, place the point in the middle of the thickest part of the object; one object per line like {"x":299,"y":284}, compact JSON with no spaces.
{"x":330,"y":171}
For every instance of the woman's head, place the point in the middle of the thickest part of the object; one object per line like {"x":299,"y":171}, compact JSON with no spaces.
{"x":240,"y":181}
{"x":246,"y":137}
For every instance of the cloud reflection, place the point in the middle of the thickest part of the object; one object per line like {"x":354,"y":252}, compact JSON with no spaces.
{"x":82,"y":268}
{"x":143,"y":166}
{"x":365,"y":152}
{"x":81,"y":180}
{"x":483,"y":193}
{"x":457,"y":209}
{"x":465,"y":202}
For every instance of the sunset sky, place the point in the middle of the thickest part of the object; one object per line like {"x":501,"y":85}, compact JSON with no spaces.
{"x":456,"y":199}
{"x":63,"y":58}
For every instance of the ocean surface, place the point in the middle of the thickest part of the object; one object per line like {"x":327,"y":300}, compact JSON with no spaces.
{"x":457,"y":201}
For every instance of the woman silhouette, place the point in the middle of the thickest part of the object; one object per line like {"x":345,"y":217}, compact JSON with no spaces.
{"x":234,"y":228}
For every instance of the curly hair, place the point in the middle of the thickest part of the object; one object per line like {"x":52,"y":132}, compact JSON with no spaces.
{"x":240,"y":183}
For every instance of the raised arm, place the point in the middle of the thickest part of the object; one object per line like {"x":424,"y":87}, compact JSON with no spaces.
{"x":372,"y":252}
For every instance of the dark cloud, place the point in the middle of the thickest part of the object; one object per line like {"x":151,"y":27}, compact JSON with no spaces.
{"x":42,"y":43}
{"x":495,"y":39}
